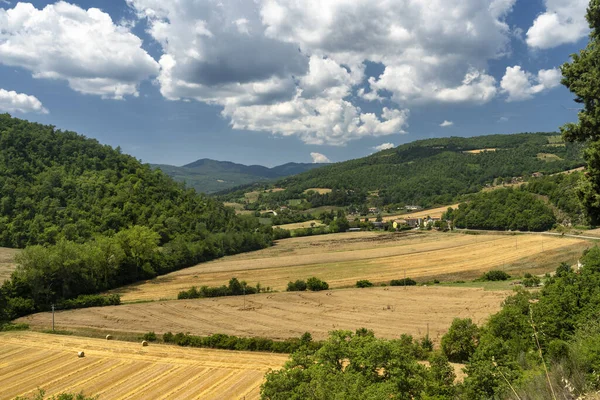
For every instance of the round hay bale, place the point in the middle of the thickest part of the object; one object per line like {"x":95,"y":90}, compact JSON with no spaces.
{"x":109,"y":337}
{"x":144,"y":343}
{"x":80,"y":354}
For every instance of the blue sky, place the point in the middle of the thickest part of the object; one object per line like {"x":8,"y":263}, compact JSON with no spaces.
{"x":273,"y":81}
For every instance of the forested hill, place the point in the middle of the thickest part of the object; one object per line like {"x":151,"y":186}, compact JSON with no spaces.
{"x":62,"y":185}
{"x":427,"y":172}
{"x":209,"y":176}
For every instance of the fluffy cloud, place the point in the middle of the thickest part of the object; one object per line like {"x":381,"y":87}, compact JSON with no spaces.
{"x":446,"y":123}
{"x":11,"y":102}
{"x":319,"y":158}
{"x":297,"y":68}
{"x":562,"y":22}
{"x":522,"y":85}
{"x":85,"y":48}
{"x":384,"y":146}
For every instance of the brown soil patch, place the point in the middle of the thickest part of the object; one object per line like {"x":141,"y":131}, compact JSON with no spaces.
{"x":7,"y":263}
{"x":115,"y":369}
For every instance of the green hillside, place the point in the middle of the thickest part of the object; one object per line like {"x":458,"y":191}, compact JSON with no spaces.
{"x":426,"y":172}
{"x":209,"y":176}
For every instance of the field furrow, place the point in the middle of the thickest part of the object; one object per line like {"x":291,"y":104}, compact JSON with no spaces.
{"x":124,"y":370}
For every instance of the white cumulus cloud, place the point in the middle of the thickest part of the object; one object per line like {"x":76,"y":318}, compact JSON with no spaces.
{"x":446,"y":123}
{"x":84,"y":47}
{"x":319,"y":158}
{"x":522,"y":85}
{"x":298,"y":68}
{"x":11,"y":102}
{"x":384,"y":146}
{"x":562,"y":22}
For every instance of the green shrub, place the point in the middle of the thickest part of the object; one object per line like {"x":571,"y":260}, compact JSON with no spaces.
{"x":298,"y":286}
{"x":235,"y":288}
{"x":495,"y":275}
{"x":14,"y":327}
{"x":461,"y":340}
{"x":91,"y":300}
{"x":363,"y":283}
{"x":403,"y":282}
{"x":150,"y":337}
{"x":531,"y":280}
{"x":40,"y":395}
{"x":315,"y":284}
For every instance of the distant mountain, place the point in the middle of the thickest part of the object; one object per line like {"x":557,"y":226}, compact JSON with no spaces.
{"x":209,"y":176}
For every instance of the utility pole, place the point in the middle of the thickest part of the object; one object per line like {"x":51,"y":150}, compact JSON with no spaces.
{"x":52,"y":317}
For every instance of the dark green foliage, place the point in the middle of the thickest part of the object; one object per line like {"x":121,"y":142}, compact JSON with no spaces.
{"x":95,"y":219}
{"x":279,"y":233}
{"x":359,"y":366}
{"x":235,"y":288}
{"x":14,"y":327}
{"x":504,"y":209}
{"x":363,"y":283}
{"x":426,"y":172}
{"x":495,"y":275}
{"x":298,"y":286}
{"x":40,"y":395}
{"x":315,"y":284}
{"x":90,"y":300}
{"x":226,"y":342}
{"x":403,"y":282}
{"x":561,"y":191}
{"x":461,"y":340}
{"x":531,"y":280}
{"x":580,"y":76}
{"x":150,"y":336}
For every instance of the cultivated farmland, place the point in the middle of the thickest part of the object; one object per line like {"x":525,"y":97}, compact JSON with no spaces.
{"x":432,"y":212}
{"x":119,"y":370}
{"x":7,"y":262}
{"x":342,"y":259}
{"x":388,"y":311}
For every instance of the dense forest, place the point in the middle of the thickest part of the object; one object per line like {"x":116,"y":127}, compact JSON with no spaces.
{"x":426,"y":172}
{"x":92,"y":218}
{"x":503,"y":209}
{"x":543,"y":344}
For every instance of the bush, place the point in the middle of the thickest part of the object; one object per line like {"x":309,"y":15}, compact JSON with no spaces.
{"x":235,"y":288}
{"x":91,"y":300}
{"x":315,"y":284}
{"x":150,"y":337}
{"x":14,"y":327}
{"x":363,"y":284}
{"x":298,"y":286}
{"x":403,"y":282}
{"x":495,"y":275}
{"x":461,"y":340}
{"x":531,"y":280}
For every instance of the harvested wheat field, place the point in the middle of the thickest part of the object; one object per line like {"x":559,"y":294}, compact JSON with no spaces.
{"x":342,"y":259}
{"x":388,"y":311}
{"x":432,"y":212}
{"x":7,"y":262}
{"x":300,"y":225}
{"x":119,"y":370}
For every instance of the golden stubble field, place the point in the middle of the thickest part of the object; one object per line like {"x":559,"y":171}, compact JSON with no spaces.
{"x":432,"y":212}
{"x":7,"y":263}
{"x":119,"y":370}
{"x":388,"y":311}
{"x":342,"y":259}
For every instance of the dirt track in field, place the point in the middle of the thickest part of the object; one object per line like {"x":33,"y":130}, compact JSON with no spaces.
{"x":342,"y":259}
{"x":119,"y":370}
{"x":389,"y":311}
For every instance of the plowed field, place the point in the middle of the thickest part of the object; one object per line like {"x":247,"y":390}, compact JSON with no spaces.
{"x":123,"y":370}
{"x":342,"y":259}
{"x":388,"y":311}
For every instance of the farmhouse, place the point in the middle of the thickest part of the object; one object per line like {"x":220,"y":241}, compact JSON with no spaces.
{"x":373,"y":210}
{"x":414,"y":222}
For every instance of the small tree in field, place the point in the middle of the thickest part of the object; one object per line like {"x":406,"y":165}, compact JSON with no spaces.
{"x":461,"y":340}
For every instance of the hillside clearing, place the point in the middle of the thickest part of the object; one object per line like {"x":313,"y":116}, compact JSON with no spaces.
{"x":121,"y":370}
{"x":432,"y":212}
{"x":299,"y":225}
{"x":478,"y":151}
{"x":319,"y":190}
{"x":342,"y":259}
{"x":7,"y":262}
{"x":389,"y":311}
